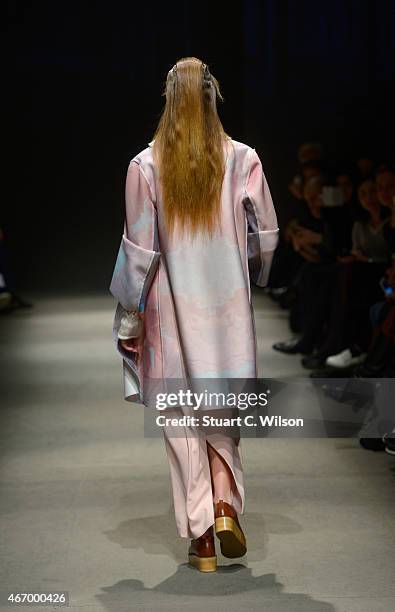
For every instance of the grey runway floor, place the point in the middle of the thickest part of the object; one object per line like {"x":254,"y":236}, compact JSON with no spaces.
{"x":86,"y":501}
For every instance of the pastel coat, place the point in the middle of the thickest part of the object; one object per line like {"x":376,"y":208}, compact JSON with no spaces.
{"x":195,"y":293}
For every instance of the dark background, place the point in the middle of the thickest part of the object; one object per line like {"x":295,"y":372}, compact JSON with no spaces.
{"x":83,"y":84}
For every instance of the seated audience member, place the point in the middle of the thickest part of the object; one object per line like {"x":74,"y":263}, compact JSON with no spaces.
{"x":385,"y":179}
{"x":341,"y":213}
{"x":347,"y":180}
{"x":368,"y":245}
{"x":368,"y":241}
{"x":326,"y":296}
{"x":312,"y":236}
{"x":310,"y":151}
{"x":286,"y":260}
{"x":310,"y":233}
{"x":389,"y":230}
{"x":380,"y":361}
{"x":355,"y":287}
{"x":308,"y":169}
{"x":386,"y":193}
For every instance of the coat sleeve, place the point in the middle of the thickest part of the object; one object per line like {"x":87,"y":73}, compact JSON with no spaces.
{"x":262,"y":225}
{"x":138,"y":254}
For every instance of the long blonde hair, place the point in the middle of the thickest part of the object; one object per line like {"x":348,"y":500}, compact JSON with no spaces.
{"x":188,"y":148}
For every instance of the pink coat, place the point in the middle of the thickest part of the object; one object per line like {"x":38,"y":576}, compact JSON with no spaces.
{"x":195,"y":294}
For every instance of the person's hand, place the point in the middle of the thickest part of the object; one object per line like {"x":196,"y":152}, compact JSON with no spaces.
{"x":296,"y":243}
{"x":291,"y":229}
{"x":359,"y":256}
{"x":130,"y":345}
{"x":300,"y":243}
{"x":308,"y":236}
{"x":310,"y":254}
{"x":133,"y":346}
{"x":346,"y":259}
{"x":306,"y":250}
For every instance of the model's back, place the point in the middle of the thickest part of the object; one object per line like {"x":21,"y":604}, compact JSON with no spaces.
{"x":186,"y":259}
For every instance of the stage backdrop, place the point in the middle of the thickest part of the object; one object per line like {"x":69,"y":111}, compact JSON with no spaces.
{"x":83,"y":96}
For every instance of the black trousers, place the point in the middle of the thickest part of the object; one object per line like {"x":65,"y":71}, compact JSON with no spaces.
{"x":335,"y":299}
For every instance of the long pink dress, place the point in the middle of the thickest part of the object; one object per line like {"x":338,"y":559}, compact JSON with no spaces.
{"x":196,"y":298}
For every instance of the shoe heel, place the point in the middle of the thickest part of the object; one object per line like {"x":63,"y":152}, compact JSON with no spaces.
{"x":203,"y":564}
{"x":233,"y":542}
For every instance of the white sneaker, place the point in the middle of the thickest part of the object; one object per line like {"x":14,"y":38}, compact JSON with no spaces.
{"x":345,"y":359}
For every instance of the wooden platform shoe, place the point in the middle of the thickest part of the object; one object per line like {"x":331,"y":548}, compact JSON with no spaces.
{"x":229,"y":531}
{"x":201,"y":553}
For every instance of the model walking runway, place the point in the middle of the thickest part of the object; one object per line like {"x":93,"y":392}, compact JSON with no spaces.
{"x":200,"y":225}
